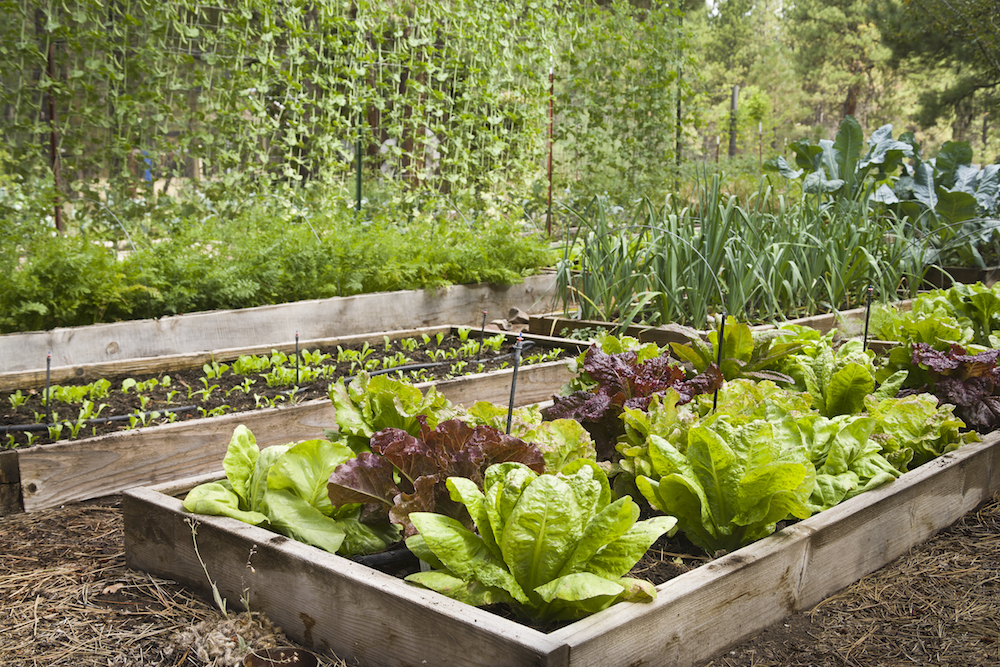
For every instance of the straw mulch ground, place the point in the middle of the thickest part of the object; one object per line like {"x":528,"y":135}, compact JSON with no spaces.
{"x":66,"y":598}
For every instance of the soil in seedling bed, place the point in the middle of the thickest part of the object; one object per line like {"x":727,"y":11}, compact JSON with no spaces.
{"x":67,"y":600}
{"x":246,"y":384}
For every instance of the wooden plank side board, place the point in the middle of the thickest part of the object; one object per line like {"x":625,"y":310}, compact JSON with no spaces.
{"x":10,"y":483}
{"x":861,"y":535}
{"x":327,"y":602}
{"x":535,"y":384}
{"x":694,"y":617}
{"x":52,"y":475}
{"x":703,"y":612}
{"x":268,"y":325}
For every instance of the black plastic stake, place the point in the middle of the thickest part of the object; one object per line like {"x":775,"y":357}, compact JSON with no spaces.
{"x":296,"y":358}
{"x":868,"y":312}
{"x":718,"y":356}
{"x":48,"y":395}
{"x":482,"y":334}
{"x":513,"y":382}
{"x":357,"y":185}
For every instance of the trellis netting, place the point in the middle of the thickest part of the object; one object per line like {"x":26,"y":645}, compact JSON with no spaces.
{"x":441,"y":95}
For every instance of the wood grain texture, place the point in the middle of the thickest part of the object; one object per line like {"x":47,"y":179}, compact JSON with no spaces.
{"x":326,"y":602}
{"x":694,"y":617}
{"x":535,"y":384}
{"x":10,"y":483}
{"x":270,"y":325}
{"x":71,"y":471}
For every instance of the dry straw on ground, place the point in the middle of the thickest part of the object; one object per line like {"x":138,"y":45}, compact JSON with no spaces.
{"x":67,"y":599}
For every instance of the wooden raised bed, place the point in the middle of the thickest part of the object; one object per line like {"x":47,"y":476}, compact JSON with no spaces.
{"x":269,"y":325}
{"x":848,"y":322}
{"x":366,"y":617}
{"x":43,"y":476}
{"x":946,"y":277}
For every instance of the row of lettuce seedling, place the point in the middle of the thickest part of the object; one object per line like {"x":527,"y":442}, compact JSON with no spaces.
{"x":162,"y":399}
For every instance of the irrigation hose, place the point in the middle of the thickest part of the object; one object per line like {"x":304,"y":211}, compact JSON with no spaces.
{"x":528,"y":344}
{"x":28,"y":428}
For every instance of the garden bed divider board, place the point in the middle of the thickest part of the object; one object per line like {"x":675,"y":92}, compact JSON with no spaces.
{"x":848,"y":322}
{"x":364,"y":616}
{"x":270,"y":325}
{"x":74,"y":470}
{"x":13,"y":380}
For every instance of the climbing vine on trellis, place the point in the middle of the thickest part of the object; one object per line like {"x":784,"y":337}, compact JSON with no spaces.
{"x":447,"y":95}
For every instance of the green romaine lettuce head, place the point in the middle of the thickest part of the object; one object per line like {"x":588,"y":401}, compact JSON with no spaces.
{"x":733,"y":483}
{"x":839,"y":379}
{"x":847,"y":460}
{"x":284,"y":488}
{"x":552,"y":546}
{"x":915,"y":429}
{"x":370,"y":404}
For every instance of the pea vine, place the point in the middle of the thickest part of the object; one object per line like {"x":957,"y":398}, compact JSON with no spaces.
{"x":440,"y":95}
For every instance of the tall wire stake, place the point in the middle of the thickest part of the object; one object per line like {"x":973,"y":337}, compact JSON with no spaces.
{"x":513,"y":382}
{"x":48,"y":394}
{"x":868,"y":312}
{"x":718,"y":356}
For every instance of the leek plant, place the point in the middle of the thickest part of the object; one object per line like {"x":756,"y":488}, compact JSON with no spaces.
{"x":764,"y":260}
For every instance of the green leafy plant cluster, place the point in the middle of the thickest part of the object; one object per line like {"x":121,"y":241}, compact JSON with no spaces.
{"x":765,"y":456}
{"x":951,"y":203}
{"x":762,"y":259}
{"x":551,"y":546}
{"x":249,"y":260}
{"x":284,"y":488}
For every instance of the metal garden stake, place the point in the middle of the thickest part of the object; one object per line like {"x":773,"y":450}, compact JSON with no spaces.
{"x":296,"y":358}
{"x":48,"y":395}
{"x":513,"y":382}
{"x":868,"y":312}
{"x":718,"y":357}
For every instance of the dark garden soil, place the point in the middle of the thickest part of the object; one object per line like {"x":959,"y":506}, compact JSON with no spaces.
{"x":185,"y":395}
{"x":67,"y":599}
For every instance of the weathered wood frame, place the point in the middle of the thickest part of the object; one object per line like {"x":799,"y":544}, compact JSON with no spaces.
{"x":43,"y":476}
{"x":270,"y":325}
{"x":331,"y":603}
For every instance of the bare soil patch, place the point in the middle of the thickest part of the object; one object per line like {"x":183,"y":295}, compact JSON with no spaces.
{"x":66,"y":598}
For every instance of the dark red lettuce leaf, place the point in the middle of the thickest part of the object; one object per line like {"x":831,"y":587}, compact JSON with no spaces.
{"x":705,"y":382}
{"x":622,"y":382}
{"x":967,"y":381}
{"x":366,"y":479}
{"x":411,"y":456}
{"x":453,"y":449}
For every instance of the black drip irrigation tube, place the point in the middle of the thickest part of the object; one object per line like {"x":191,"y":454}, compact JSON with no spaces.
{"x":29,"y":428}
{"x":528,"y":344}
